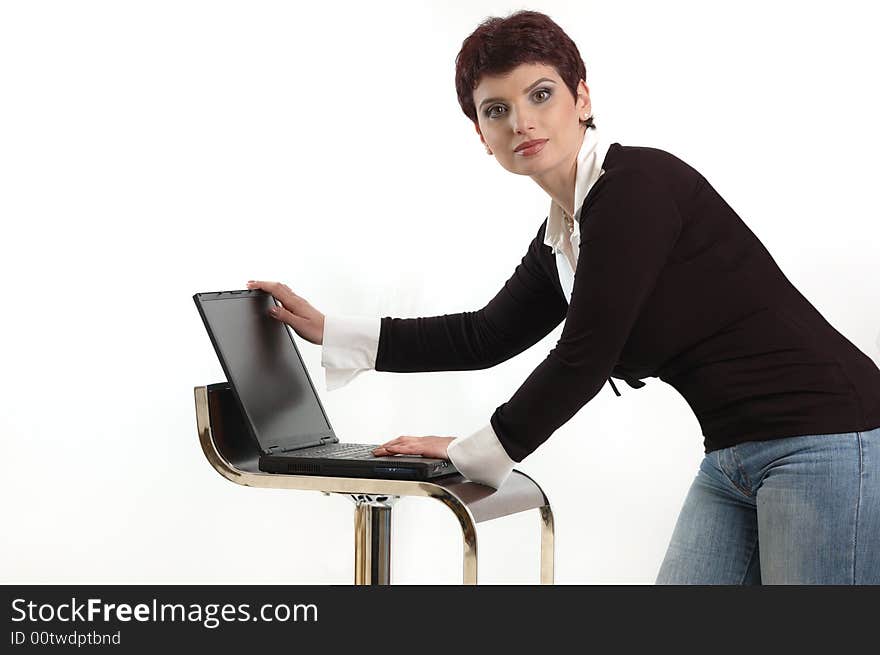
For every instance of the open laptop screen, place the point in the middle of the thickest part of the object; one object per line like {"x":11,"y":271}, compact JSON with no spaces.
{"x":264,"y":367}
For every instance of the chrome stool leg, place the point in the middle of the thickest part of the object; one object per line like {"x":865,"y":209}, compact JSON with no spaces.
{"x":470,"y":555}
{"x":468,"y":534}
{"x":372,"y":538}
{"x":547,"y":534}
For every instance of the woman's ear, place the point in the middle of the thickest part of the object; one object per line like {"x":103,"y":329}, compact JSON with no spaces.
{"x":584,"y":104}
{"x":488,"y":150}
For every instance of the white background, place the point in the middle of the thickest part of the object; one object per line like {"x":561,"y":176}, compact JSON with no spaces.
{"x":150,"y":150}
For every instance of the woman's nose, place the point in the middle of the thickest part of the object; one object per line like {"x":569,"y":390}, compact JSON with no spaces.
{"x":522,"y":120}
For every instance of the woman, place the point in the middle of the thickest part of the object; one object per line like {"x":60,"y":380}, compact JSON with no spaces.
{"x":656,"y":277}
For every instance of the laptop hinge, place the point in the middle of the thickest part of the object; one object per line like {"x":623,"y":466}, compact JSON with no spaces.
{"x":275,"y":450}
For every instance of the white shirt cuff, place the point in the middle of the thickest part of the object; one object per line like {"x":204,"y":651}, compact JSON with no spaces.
{"x":481,"y":458}
{"x":349,"y":347}
{"x":334,"y":378}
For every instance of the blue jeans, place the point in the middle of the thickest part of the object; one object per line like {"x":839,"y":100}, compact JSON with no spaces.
{"x":798,"y":510}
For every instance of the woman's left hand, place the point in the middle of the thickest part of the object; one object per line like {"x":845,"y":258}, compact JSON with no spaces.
{"x":425,"y":446}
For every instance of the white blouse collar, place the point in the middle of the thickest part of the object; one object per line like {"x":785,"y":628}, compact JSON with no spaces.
{"x":589,"y":167}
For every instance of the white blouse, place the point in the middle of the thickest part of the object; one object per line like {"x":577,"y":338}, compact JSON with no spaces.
{"x":351,"y":342}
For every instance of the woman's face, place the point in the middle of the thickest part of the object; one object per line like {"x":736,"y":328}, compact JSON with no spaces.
{"x":531,"y":103}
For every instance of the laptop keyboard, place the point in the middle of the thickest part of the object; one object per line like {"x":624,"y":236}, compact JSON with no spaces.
{"x":336,"y":451}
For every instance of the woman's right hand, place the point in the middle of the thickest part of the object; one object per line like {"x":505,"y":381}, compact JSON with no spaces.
{"x":295,"y":311}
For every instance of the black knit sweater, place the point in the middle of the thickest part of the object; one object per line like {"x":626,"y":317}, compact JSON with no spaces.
{"x":670,"y":283}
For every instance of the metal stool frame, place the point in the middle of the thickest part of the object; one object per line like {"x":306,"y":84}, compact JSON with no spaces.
{"x":232,"y":453}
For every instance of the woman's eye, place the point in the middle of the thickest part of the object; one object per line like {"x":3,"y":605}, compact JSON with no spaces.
{"x":489,"y":113}
{"x":547,"y":91}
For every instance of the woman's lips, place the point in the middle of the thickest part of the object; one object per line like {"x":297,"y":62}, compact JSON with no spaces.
{"x":532,"y":150}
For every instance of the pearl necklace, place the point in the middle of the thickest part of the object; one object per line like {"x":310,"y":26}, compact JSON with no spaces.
{"x":569,"y":221}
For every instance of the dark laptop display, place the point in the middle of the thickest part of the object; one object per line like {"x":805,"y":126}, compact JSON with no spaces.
{"x":278,"y":400}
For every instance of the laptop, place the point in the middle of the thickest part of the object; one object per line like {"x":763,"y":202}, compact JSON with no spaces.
{"x":278,"y":400}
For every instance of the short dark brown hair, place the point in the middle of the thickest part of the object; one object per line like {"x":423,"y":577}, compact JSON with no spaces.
{"x":499,"y":45}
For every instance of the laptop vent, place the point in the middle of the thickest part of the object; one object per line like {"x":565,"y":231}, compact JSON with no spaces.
{"x":298,"y":467}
